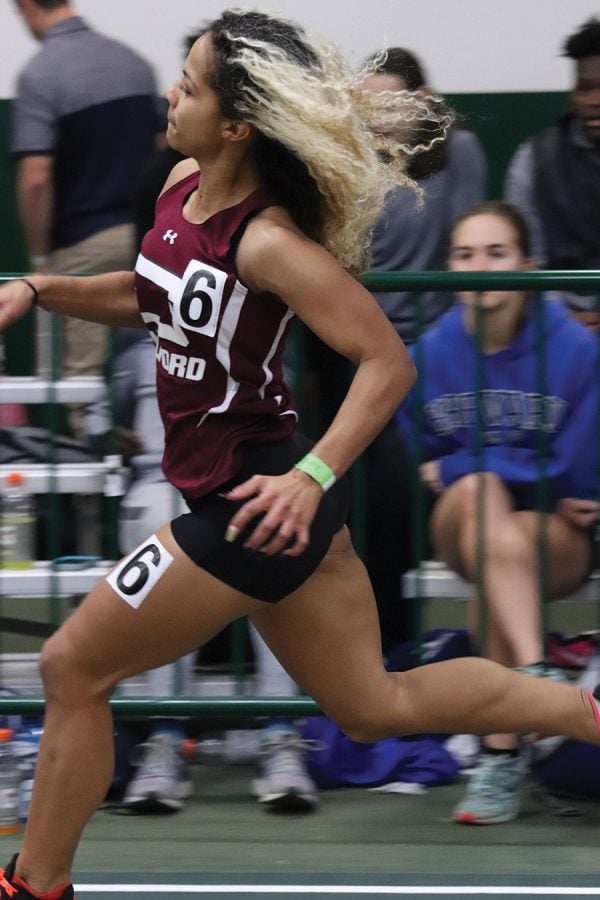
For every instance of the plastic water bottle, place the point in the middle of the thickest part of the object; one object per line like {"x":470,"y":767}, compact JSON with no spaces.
{"x":17,"y":524}
{"x":9,"y":784}
{"x":26,"y":744}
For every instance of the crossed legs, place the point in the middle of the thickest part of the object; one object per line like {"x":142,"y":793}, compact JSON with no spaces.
{"x":511,"y":595}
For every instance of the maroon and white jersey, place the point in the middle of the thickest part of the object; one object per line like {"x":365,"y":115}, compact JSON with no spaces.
{"x":218,"y":345}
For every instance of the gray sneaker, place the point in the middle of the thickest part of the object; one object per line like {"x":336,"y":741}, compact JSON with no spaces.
{"x":284,"y":784}
{"x":492,"y":795}
{"x":161,"y":781}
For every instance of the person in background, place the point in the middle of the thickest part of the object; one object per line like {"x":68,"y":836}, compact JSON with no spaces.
{"x":161,"y":779}
{"x":529,"y":496}
{"x":412,"y":233}
{"x":270,"y":217}
{"x":155,"y":171}
{"x":409,"y":236}
{"x":85,"y":119}
{"x":554,"y":177}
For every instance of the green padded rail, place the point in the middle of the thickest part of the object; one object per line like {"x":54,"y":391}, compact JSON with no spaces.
{"x":249,"y":707}
{"x":207,"y":707}
{"x":483,"y":281}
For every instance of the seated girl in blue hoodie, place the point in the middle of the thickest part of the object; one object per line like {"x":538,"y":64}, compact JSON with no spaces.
{"x":530,"y":443}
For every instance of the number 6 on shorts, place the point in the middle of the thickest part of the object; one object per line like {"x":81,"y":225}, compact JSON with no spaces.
{"x":136,"y":575}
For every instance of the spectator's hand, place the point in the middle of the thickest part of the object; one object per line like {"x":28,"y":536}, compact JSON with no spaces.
{"x":430,"y":475}
{"x":581,"y":513}
{"x":16,"y":299}
{"x":589,"y":318}
{"x":287,"y":503}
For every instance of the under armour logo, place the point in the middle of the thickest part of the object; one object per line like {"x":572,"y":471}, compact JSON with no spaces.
{"x":170,"y":236}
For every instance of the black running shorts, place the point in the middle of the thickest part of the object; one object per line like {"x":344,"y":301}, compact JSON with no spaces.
{"x":201,"y":532}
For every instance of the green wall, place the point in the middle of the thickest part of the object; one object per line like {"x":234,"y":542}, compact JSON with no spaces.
{"x":501,"y":121}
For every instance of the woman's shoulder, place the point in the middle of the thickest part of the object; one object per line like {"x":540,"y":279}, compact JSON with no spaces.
{"x":182,"y":170}
{"x":271,"y":229}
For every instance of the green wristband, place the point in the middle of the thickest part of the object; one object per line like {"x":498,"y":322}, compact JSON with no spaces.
{"x":317,"y":469}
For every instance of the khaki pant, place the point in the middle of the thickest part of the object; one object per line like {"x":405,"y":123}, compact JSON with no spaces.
{"x":85,"y":345}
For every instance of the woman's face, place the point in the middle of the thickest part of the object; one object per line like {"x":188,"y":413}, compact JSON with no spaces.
{"x":487,"y":243}
{"x":195,"y":122}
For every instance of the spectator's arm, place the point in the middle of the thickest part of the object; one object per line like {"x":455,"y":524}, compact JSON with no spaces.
{"x":35,"y":200}
{"x":575,"y":449}
{"x":519,"y":190}
{"x":469,"y":177}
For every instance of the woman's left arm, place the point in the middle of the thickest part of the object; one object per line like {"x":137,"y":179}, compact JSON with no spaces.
{"x":274,"y":257}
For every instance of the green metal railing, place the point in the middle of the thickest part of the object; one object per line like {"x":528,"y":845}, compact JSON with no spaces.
{"x":588,"y":280}
{"x":247,"y":707}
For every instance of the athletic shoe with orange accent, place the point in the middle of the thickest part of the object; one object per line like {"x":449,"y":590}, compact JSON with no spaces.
{"x":11,"y":886}
{"x":492,"y":795}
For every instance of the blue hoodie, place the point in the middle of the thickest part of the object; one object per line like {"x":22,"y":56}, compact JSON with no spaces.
{"x":517,"y":397}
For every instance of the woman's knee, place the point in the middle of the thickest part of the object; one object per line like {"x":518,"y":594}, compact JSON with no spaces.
{"x":467,"y":491}
{"x":371,"y":722}
{"x":64,"y":674}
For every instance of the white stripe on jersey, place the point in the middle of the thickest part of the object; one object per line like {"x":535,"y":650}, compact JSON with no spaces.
{"x":162,"y":278}
{"x":227,"y":330}
{"x":270,"y":354}
{"x":170,"y":283}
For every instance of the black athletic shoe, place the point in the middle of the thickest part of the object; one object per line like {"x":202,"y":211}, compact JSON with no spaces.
{"x":9,"y":889}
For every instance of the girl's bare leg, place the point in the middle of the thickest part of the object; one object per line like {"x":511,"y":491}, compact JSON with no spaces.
{"x":104,"y":641}
{"x":512,"y":594}
{"x":327,"y":637}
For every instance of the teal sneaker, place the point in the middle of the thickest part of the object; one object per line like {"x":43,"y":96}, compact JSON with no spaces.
{"x":492,"y":795}
{"x":541,"y":670}
{"x":543,"y":747}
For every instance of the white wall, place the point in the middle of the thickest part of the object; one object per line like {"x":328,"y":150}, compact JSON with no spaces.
{"x":467,"y":45}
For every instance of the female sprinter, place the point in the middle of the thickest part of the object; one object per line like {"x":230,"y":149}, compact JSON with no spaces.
{"x":269,"y":218}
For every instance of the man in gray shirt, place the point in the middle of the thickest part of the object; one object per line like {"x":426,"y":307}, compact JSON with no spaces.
{"x":452,"y":176}
{"x":554,"y":177}
{"x":85,"y":118}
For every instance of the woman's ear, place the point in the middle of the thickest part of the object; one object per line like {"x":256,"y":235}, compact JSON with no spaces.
{"x":236,"y":130}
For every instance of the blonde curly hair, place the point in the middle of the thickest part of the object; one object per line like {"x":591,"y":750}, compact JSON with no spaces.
{"x":329,"y":148}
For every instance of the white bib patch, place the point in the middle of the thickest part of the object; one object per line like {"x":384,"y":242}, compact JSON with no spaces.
{"x":136,"y":575}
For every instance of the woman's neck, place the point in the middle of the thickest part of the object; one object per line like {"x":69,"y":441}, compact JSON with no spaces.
{"x":220,"y":187}
{"x":497,"y":327}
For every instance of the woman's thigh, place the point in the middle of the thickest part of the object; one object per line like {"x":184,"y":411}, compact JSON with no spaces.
{"x":568,"y":549}
{"x":327,"y":636}
{"x":455,"y":518}
{"x":148,"y":612}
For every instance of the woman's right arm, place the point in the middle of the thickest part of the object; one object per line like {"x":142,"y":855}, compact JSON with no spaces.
{"x":108,"y":299}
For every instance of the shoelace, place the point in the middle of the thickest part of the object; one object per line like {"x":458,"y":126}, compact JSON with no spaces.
{"x":282,"y":751}
{"x":488,"y":779}
{"x":10,"y":889}
{"x":156,"y":755}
